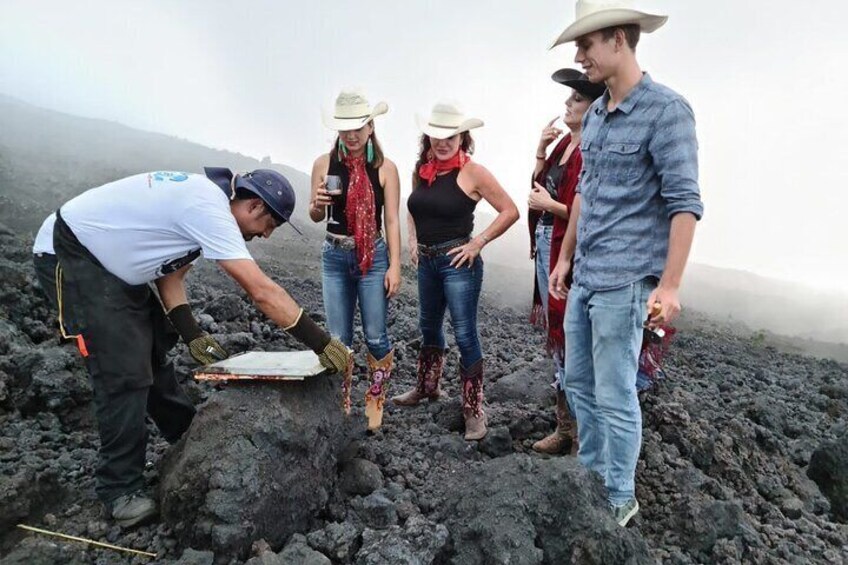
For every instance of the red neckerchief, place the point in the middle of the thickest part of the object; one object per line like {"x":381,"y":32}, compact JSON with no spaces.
{"x":360,"y":210}
{"x":429,"y":170}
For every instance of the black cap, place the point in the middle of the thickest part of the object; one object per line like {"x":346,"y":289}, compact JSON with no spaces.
{"x":579,"y":82}
{"x":272,"y":187}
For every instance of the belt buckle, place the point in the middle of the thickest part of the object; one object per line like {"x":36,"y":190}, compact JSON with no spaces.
{"x":435,"y":250}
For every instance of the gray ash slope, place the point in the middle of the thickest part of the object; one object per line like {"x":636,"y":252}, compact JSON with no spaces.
{"x":722,"y":476}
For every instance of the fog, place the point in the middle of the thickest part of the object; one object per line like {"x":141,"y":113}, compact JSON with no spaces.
{"x":253,"y":77}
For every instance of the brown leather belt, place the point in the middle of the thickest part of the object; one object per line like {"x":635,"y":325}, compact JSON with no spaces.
{"x":441,"y":248}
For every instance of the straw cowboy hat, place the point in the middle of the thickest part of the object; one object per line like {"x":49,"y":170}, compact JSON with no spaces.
{"x":446,"y":120}
{"x":594,"y":15}
{"x":352,"y":111}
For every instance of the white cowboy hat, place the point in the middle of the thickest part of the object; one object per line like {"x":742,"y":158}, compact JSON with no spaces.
{"x":446,"y":120}
{"x":594,"y":15}
{"x":352,"y":111}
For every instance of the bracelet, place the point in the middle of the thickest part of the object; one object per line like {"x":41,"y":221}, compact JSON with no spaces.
{"x":485,"y":239}
{"x":541,"y":157}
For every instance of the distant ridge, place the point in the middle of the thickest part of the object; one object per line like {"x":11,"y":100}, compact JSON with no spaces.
{"x":47,"y":157}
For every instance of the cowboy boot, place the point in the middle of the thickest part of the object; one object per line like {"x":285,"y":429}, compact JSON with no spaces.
{"x":472,"y":401}
{"x":431,"y":361}
{"x":375,"y":396}
{"x":565,"y":433}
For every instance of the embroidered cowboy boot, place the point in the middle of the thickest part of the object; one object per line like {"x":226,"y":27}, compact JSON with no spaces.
{"x":472,"y":401}
{"x":431,"y":361}
{"x":375,"y":396}
{"x":565,"y":434}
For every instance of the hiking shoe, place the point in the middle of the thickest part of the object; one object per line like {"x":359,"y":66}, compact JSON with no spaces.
{"x":553,"y":444}
{"x":132,"y":509}
{"x":625,"y":512}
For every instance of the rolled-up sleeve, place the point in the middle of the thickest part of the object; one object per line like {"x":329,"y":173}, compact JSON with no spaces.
{"x":675,"y":156}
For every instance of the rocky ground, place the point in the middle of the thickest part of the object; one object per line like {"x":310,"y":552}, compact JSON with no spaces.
{"x":723,"y":475}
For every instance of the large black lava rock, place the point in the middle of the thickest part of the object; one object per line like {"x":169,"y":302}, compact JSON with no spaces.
{"x":521,"y":509}
{"x":259,"y":461}
{"x":829,"y":469}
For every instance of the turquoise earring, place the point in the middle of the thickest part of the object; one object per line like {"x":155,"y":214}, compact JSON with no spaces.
{"x":369,"y":151}
{"x":342,"y":150}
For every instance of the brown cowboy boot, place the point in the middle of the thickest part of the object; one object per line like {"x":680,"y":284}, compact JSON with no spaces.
{"x":472,"y":401}
{"x":375,"y":396}
{"x":565,"y":434}
{"x":431,"y":361}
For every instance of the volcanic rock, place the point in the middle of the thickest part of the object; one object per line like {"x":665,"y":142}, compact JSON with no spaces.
{"x":829,"y":469}
{"x":519,"y":509}
{"x":225,"y":307}
{"x":360,"y":476}
{"x":702,"y":524}
{"x":194,"y":557}
{"x":337,"y":540}
{"x":530,"y":384}
{"x":377,"y":511}
{"x":418,"y":542}
{"x":254,"y":464}
{"x":497,"y":443}
{"x":296,"y":551}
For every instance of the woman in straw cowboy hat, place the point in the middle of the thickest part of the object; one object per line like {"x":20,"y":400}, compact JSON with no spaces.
{"x":447,"y":186}
{"x":554,"y":186}
{"x":360,"y":260}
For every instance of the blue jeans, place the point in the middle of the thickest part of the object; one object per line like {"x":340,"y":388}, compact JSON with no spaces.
{"x":543,"y":261}
{"x":441,"y":287}
{"x":344,"y":284}
{"x":603,"y":338}
{"x":543,"y":268}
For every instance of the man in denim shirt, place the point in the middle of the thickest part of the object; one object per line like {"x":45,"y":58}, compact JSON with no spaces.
{"x":629,"y":236}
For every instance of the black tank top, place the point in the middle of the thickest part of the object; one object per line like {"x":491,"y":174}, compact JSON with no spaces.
{"x":441,"y":211}
{"x":552,"y":185}
{"x":338,"y":168}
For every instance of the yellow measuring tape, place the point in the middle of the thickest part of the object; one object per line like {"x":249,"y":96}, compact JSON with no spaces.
{"x":83,"y":540}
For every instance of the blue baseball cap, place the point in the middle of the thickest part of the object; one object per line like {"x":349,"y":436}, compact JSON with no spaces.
{"x":272,"y":187}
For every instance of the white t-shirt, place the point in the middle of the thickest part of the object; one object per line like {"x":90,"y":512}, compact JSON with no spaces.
{"x":44,"y":238}
{"x":146,"y":226}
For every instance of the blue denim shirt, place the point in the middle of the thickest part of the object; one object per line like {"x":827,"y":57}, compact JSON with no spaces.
{"x":640,"y":168}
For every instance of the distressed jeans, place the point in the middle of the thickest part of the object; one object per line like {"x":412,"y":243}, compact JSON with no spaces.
{"x":344,"y":285}
{"x":603,"y":338}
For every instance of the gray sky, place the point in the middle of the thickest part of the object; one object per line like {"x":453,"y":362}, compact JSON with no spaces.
{"x":765,"y":78}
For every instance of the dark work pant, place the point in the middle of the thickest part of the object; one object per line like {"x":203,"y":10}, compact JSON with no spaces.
{"x":127,"y":337}
{"x":45,"y":272}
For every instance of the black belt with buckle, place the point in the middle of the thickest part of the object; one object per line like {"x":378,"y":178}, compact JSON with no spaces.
{"x":441,"y":248}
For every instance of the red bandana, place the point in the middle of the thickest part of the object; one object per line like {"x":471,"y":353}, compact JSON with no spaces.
{"x":433,"y":166}
{"x":359,"y":211}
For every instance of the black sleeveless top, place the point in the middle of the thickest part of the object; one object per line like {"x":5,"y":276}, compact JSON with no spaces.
{"x":339,"y":169}
{"x":441,"y":211}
